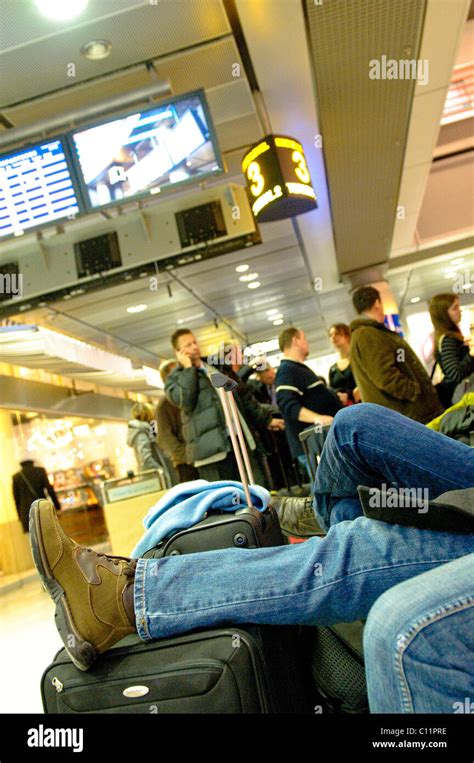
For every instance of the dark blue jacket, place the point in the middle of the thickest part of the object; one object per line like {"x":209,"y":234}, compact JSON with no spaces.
{"x":297,"y":386}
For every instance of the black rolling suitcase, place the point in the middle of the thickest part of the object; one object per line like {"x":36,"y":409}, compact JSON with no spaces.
{"x":225,"y":670}
{"x":247,"y":528}
{"x":246,"y":669}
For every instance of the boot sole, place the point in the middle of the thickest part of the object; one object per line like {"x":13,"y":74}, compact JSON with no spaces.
{"x":82,"y":652}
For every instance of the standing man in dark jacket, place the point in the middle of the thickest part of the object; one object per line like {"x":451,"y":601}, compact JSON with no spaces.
{"x":30,"y":483}
{"x":275,"y":443}
{"x":386,"y":369}
{"x":302,"y":397}
{"x":204,"y":426}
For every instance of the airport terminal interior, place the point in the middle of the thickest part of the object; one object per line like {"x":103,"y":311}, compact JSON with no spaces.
{"x":225,"y":180}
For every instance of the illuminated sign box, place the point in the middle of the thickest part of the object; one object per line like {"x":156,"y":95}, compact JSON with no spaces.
{"x":278,"y":179}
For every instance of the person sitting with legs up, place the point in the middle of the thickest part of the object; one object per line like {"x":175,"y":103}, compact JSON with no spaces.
{"x":325,"y":580}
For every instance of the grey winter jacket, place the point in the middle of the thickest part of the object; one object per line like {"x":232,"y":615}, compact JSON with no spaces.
{"x":141,"y":438}
{"x":204,"y":426}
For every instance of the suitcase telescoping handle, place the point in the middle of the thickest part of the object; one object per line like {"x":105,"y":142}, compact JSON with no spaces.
{"x":224,"y":386}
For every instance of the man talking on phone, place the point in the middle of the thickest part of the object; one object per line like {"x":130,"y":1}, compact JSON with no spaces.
{"x":208,"y":442}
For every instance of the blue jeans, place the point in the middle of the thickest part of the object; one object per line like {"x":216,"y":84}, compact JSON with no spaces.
{"x":324,"y":580}
{"x":370,"y":445}
{"x":419,"y":643}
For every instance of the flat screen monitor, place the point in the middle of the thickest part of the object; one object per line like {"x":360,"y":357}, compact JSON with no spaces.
{"x":36,"y":188}
{"x":145,"y":152}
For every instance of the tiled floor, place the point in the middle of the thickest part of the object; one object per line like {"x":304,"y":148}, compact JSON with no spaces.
{"x":28,"y":642}
{"x":28,"y":639}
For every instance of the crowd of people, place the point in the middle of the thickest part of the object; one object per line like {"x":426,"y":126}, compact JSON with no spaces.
{"x":375,"y":365}
{"x":407,"y":572}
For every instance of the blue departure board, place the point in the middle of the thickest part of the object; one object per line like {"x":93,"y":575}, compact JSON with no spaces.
{"x":36,"y":188}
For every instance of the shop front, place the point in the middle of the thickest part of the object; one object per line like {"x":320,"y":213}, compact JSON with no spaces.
{"x":79,"y":436}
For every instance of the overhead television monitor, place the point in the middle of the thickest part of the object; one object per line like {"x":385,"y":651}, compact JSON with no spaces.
{"x":145,"y":152}
{"x":36,"y":187}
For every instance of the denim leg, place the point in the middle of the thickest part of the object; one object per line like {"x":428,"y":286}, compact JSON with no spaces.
{"x":345,"y":508}
{"x":419,"y":643}
{"x":370,"y":445}
{"x":322,"y":581}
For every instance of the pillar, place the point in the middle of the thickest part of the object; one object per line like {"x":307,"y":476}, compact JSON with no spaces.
{"x":15,"y":554}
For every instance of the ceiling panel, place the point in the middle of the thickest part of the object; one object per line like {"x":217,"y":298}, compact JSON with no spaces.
{"x":150,"y":30}
{"x":76,"y":97}
{"x":364,"y":121}
{"x":206,"y":66}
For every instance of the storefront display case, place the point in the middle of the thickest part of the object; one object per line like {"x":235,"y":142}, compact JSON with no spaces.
{"x":78,"y":492}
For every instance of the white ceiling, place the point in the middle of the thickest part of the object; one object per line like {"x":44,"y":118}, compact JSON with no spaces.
{"x":443,"y":29}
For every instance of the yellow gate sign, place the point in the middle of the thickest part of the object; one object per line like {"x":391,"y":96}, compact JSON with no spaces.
{"x":278,"y":179}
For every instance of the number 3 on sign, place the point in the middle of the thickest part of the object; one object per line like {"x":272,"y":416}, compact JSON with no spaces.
{"x":254,"y":174}
{"x":301,"y":171}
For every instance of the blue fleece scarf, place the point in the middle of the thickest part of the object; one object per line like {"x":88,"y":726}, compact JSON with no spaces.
{"x":185,"y":505}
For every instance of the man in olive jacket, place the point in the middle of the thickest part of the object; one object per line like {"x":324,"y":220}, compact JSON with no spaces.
{"x":386,"y":369}
{"x":208,"y":445}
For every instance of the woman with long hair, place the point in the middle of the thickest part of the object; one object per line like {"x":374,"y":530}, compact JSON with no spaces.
{"x":453,"y":352}
{"x":341,"y":379}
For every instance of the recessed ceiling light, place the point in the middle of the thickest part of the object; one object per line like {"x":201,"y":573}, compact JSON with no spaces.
{"x":278,"y":322}
{"x":248,"y":277}
{"x":242,"y":268}
{"x":272,"y":312}
{"x":254,"y":285}
{"x":451,"y":275}
{"x":457,"y":261}
{"x":95,"y":50}
{"x":467,"y":286}
{"x":414,"y":300}
{"x":275,"y":317}
{"x":58,"y":10}
{"x":136,"y":308}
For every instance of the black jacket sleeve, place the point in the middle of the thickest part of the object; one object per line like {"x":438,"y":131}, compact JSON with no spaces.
{"x":16,"y":494}
{"x":259,"y":413}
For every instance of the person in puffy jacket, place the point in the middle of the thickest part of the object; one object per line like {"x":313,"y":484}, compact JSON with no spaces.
{"x":208,"y":444}
{"x":141,"y":436}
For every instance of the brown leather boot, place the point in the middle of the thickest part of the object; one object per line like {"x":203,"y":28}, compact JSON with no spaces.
{"x":93,"y":592}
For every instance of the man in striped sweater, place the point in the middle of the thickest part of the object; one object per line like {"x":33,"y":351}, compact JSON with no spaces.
{"x":302,"y":397}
